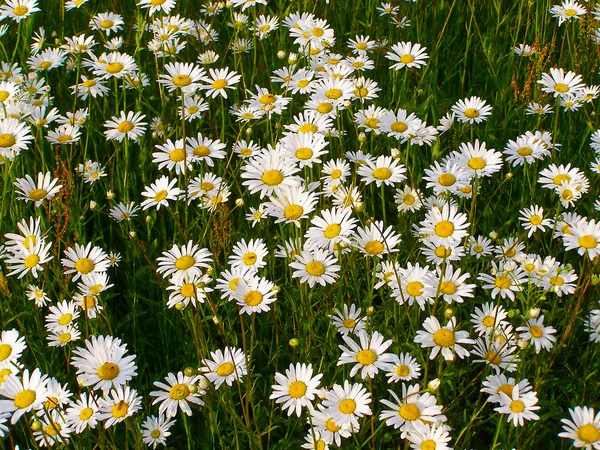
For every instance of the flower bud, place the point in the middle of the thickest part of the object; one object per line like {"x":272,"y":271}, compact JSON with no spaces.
{"x":215,"y":320}
{"x":434,"y":384}
{"x":362,"y":137}
{"x":148,"y":219}
{"x":595,"y":280}
{"x":93,"y":205}
{"x":180,"y":306}
{"x":239,"y":202}
{"x":36,"y":425}
{"x":533,"y":313}
{"x":281,"y":54}
{"x":190,"y":372}
{"x":203,"y":383}
{"x":509,"y":176}
{"x":448,"y":313}
{"x":347,"y":104}
{"x":371,"y":310}
{"x":210,"y":271}
{"x":132,"y":234}
{"x":493,"y":235}
{"x":110,"y":195}
{"x":294,"y":342}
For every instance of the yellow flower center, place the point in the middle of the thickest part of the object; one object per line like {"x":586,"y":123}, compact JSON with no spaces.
{"x":182,"y":80}
{"x":253,"y":298}
{"x":225,"y":369}
{"x":5,"y":351}
{"x":185,"y":262}
{"x":414,"y":288}
{"x":114,"y":67}
{"x":536,"y":331}
{"x":267,"y":99}
{"x":493,"y":358}
{"x":471,"y":113}
{"x":250,"y":258}
{"x":561,"y":87}
{"x":120,"y":410}
{"x":177,"y":155}
{"x":89,"y":302}
{"x":349,"y":323}
{"x":409,"y":199}
{"x":535,"y":220}
{"x":179,"y":392}
{"x":347,"y":406}
{"x":333,"y":94}
{"x":266,"y":27}
{"x":402,"y":370}
{"x":366,"y":357}
{"x":374,"y":247}
{"x":31,"y":261}
{"x":428,"y":444}
{"x":192,"y":110}
{"x":302,"y":84}
{"x":336,"y":173}
{"x":64,"y":338}
{"x":332,"y":231}
{"x":86,"y":413}
{"x":588,"y":433}
{"x":409,"y":412}
{"x":272,"y":177}
{"x":489,"y":321}
{"x":476,"y":163}
{"x":3,"y":95}
{"x":443,"y":252}
{"x":399,"y":127}
{"x":53,"y":429}
{"x":407,"y":59}
{"x":106,"y":23}
{"x":25,"y":398}
{"x":64,"y":138}
{"x":444,"y":228}
{"x":382,"y":173}
{"x":315,"y":268}
{"x":318,"y":32}
{"x":155,"y":434}
{"x":7,"y":140}
{"x":20,"y":10}
{"x":332,"y":426}
{"x":446,"y":179}
{"x":45,"y":65}
{"x":587,"y":241}
{"x":507,"y":389}
{"x":160,"y":196}
{"x":297,"y":389}
{"x":524,"y":151}
{"x":108,"y":371}
{"x":219,"y":84}
{"x":188,"y":290}
{"x":125,"y":126}
{"x":361,"y":92}
{"x":84,"y":265}
{"x":517,"y":406}
{"x":65,"y":319}
{"x":447,"y":287}
{"x":556,"y":280}
{"x":372,"y":122}
{"x":308,"y":128}
{"x":325,"y":108}
{"x":443,"y":338}
{"x":293,"y":212}
{"x":304,"y":153}
{"x":502,"y":282}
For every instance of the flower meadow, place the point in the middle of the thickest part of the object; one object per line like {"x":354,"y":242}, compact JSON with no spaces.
{"x":299,"y":224}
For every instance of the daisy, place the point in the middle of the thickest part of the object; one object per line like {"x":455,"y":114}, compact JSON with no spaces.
{"x":451,"y":285}
{"x":384,"y":170}
{"x":107,"y":22}
{"x":83,"y":413}
{"x":304,"y":148}
{"x":254,"y":296}
{"x":203,"y":149}
{"x":11,"y":348}
{"x":185,"y":261}
{"x":504,"y":281}
{"x":407,"y":54}
{"x":499,"y":355}
{"x":310,"y":122}
{"x":348,"y":320}
{"x":103,"y":363}
{"x":489,"y":317}
{"x":25,"y":260}
{"x":190,"y":289}
{"x":538,"y":109}
{"x":445,"y":226}
{"x":160,"y":192}
{"x":45,"y":188}
{"x":249,"y":254}
{"x":193,"y":107}
{"x":23,"y":393}
{"x":315,"y":266}
{"x":368,"y":356}
{"x":533,"y":219}
{"x":124,"y":211}
{"x":175,"y":394}
{"x":128,"y":125}
{"x":119,"y":404}
{"x":584,"y":237}
{"x":584,"y":429}
{"x":184,"y":76}
{"x":402,"y":368}
{"x":374,"y":241}
{"x":333,"y":90}
{"x":540,"y":336}
{"x":331,"y":228}
{"x":155,"y":6}
{"x":425,"y":435}
{"x":410,"y":409}
{"x":19,"y":9}
{"x":267,"y":102}
{"x":567,"y":10}
{"x":155,"y":430}
{"x":518,"y":407}
{"x":558,"y":83}
{"x":477,"y":160}
{"x":264,"y":25}
{"x":37,"y":295}
{"x":291,"y":205}
{"x":226,"y":366}
{"x":443,"y":339}
{"x":61,"y":316}
{"x":472,"y":109}
{"x":268,"y":171}
{"x":347,"y":403}
{"x":173,"y":155}
{"x":82,"y":261}
{"x":399,"y":125}
{"x":329,"y":430}
{"x":219,"y":81}
{"x":49,"y":59}
{"x":15,"y":136}
{"x":297,"y":389}
{"x":526,"y":149}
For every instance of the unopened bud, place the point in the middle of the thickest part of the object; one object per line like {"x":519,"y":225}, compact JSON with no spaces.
{"x":347,"y":104}
{"x":110,"y":195}
{"x":294,"y":342}
{"x":522,"y":344}
{"x":239,"y":202}
{"x":434,"y":384}
{"x":193,"y":388}
{"x":248,"y":131}
{"x":448,"y":313}
{"x":210,"y":271}
{"x":93,"y":205}
{"x":362,"y":137}
{"x":190,"y":372}
{"x":370,"y":310}
{"x":215,"y":320}
{"x":180,"y":306}
{"x":359,"y":206}
{"x":343,"y":244}
{"x":281,"y":54}
{"x":533,"y":313}
{"x":203,"y":383}
{"x":148,"y":219}
{"x":493,"y":235}
{"x":36,"y":425}
{"x":132,"y":234}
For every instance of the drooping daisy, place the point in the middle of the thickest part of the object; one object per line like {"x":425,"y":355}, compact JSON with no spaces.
{"x":45,"y":188}
{"x":103,"y":363}
{"x":297,"y":389}
{"x":226,"y":366}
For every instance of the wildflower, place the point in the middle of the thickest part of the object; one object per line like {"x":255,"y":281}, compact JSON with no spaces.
{"x":443,"y":339}
{"x":297,"y":389}
{"x":175,"y":394}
